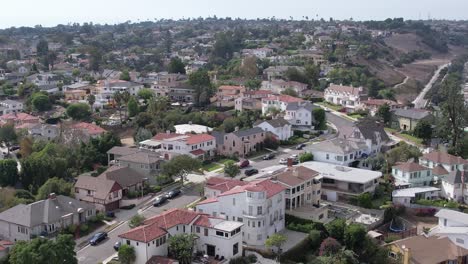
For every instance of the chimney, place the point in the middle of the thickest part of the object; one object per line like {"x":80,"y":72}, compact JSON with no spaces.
{"x":290,"y":163}
{"x":52,"y":196}
{"x":295,"y":172}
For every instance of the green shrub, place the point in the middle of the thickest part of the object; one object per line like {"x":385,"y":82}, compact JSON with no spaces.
{"x":391,"y":238}
{"x":84,"y":228}
{"x":252,"y":258}
{"x":156,"y":189}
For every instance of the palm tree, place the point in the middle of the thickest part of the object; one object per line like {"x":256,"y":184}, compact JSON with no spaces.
{"x":118,"y":99}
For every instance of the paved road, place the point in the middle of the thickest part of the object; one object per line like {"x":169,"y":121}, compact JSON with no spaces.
{"x":343,"y":125}
{"x":96,"y":254}
{"x":420,"y":102}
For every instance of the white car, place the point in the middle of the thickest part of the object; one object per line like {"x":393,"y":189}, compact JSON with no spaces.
{"x":283,"y":161}
{"x":294,"y":156}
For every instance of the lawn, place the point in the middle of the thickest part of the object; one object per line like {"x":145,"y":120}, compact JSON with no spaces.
{"x":223,"y":161}
{"x":331,"y":106}
{"x":356,"y":116}
{"x":211,"y":166}
{"x":408,"y":137}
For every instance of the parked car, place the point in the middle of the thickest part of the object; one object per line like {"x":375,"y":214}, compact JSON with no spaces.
{"x":250,"y":172}
{"x":159,"y":200}
{"x":283,"y":161}
{"x":172,"y":194}
{"x":244,"y":163}
{"x":13,"y":148}
{"x":117,"y":245}
{"x":294,"y":156}
{"x":269,"y":156}
{"x":110,"y":214}
{"x":97,"y":238}
{"x":300,"y":146}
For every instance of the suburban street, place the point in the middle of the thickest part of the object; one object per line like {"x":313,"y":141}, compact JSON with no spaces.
{"x":420,"y":102}
{"x":95,"y":254}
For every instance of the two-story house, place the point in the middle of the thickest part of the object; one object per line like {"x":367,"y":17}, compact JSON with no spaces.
{"x":104,"y":194}
{"x":279,"y":127}
{"x":452,"y":225}
{"x":251,"y":100}
{"x":347,"y":96}
{"x":411,"y":174}
{"x":278,"y":103}
{"x":454,"y":186}
{"x":279,"y":86}
{"x":338,"y":151}
{"x":10,"y":106}
{"x":370,"y":131}
{"x":259,"y":205}
{"x":227,"y":94}
{"x":407,"y":119}
{"x":201,"y":146}
{"x":146,"y":162}
{"x":373,"y":105}
{"x":300,"y":115}
{"x":437,"y":158}
{"x":216,"y":237}
{"x":43,"y":218}
{"x":240,"y":142}
{"x":18,"y":119}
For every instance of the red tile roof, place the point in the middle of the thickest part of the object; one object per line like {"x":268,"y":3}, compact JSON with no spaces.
{"x":379,"y":102}
{"x":190,"y":139}
{"x":265,"y":185}
{"x":345,"y":89}
{"x":223,"y":184}
{"x":161,"y":260}
{"x":92,"y":129}
{"x":209,"y":200}
{"x":199,"y":138}
{"x":444,"y":157}
{"x":230,"y":87}
{"x":197,"y":152}
{"x":19,"y":117}
{"x":410,"y":167}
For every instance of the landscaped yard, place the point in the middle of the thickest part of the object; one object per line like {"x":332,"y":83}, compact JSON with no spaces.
{"x":211,"y":166}
{"x":331,"y":106}
{"x":223,"y":161}
{"x":408,"y":137}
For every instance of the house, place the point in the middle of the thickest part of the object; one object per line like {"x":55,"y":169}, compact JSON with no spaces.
{"x":192,"y":128}
{"x":373,"y":105}
{"x":116,"y":152}
{"x":278,"y":127}
{"x":107,"y":88}
{"x":240,"y":142}
{"x":17,"y":119}
{"x":370,"y":131}
{"x":104,"y":194}
{"x":427,"y":250}
{"x":452,"y":225}
{"x":129,"y":179}
{"x":227,"y":94}
{"x":146,"y":162}
{"x":251,"y":100}
{"x":347,"y":96}
{"x":201,"y":146}
{"x":453,"y":186}
{"x":43,"y":218}
{"x":300,"y":115}
{"x":177,"y":91}
{"x":42,"y":131}
{"x":278,"y":102}
{"x":89,"y":129}
{"x":260,"y":53}
{"x":279,"y":86}
{"x":437,"y":158}
{"x":217,"y":185}
{"x":407,"y":119}
{"x":259,"y":205}
{"x":278,"y":72}
{"x":338,"y":151}
{"x":216,"y":237}
{"x":75,"y":95}
{"x":86,"y":86}
{"x":339,"y":182}
{"x":411,"y":174}
{"x":10,"y":106}
{"x":408,"y":196}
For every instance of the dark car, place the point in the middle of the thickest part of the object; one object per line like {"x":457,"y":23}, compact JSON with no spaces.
{"x":117,"y":245}
{"x":97,"y":238}
{"x":172,"y":194}
{"x":244,"y":163}
{"x":300,"y":146}
{"x":251,"y":172}
{"x":110,"y":214}
{"x":268,"y":156}
{"x":13,"y":148}
{"x":159,"y":200}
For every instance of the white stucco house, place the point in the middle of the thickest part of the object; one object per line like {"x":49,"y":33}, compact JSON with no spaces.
{"x":216,"y":237}
{"x":300,"y":115}
{"x":338,"y":151}
{"x":411,"y":174}
{"x":10,"y":106}
{"x":278,"y":102}
{"x":259,"y":205}
{"x":454,"y":186}
{"x":279,"y":127}
{"x":410,"y":195}
{"x":453,"y":225}
{"x":347,"y":96}
{"x":439,"y":158}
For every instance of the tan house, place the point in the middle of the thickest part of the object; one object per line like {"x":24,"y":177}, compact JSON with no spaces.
{"x":407,"y":119}
{"x":75,"y":95}
{"x":227,"y":94}
{"x":103,"y":193}
{"x":240,"y":142}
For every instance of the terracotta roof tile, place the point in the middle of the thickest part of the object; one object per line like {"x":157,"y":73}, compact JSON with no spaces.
{"x":295,"y":176}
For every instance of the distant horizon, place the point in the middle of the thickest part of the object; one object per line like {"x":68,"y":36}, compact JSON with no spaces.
{"x":50,"y":13}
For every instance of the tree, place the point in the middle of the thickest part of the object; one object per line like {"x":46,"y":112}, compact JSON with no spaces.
{"x":136,"y":220}
{"x":91,"y":101}
{"x":231,"y":169}
{"x":354,"y":237}
{"x":181,"y":247}
{"x":142,"y":134}
{"x":253,"y":84}
{"x":307,"y":156}
{"x":336,"y":229}
{"x":79,"y":111}
{"x":40,"y":102}
{"x":8,"y":135}
{"x":329,"y":247}
{"x":320,"y":118}
{"x":125,"y":76}
{"x":290,"y":91}
{"x":176,"y":66}
{"x":423,"y":130}
{"x":126,"y":254}
{"x":364,"y":200}
{"x":276,"y":240}
{"x":54,"y":185}
{"x":249,"y":67}
{"x":342,"y":256}
{"x":384,"y":113}
{"x":145,"y":94}
{"x":270,"y":142}
{"x":44,"y":251}
{"x":312,"y":72}
{"x":132,"y":107}
{"x":8,"y":172}
{"x":118,"y":99}
{"x":180,"y":165}
{"x":453,"y":108}
{"x":388,"y":94}
{"x":230,"y":124}
{"x":200,"y":81}
{"x":315,"y":238}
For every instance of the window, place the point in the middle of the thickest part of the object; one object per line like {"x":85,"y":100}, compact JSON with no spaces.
{"x":259,"y":224}
{"x":233,"y":201}
{"x":328,"y":156}
{"x":235,"y":249}
{"x":250,"y":210}
{"x":197,"y":229}
{"x":259,"y":237}
{"x":259,"y":210}
{"x":183,"y":228}
{"x":206,"y":231}
{"x":219,"y":233}
{"x":249,"y":194}
{"x":445,"y":222}
{"x":239,"y":219}
{"x":253,"y":223}
{"x":460,"y":241}
{"x":128,"y":242}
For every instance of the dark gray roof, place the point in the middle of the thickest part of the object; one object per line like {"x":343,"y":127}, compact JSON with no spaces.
{"x":219,"y":137}
{"x":278,"y":122}
{"x":124,"y":176}
{"x":44,"y":211}
{"x":369,"y":129}
{"x":122,"y":151}
{"x":142,"y":157}
{"x":248,"y":132}
{"x":416,"y":114}
{"x":298,"y":105}
{"x":455,"y":177}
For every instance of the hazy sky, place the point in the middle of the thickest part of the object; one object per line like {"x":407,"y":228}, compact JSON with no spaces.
{"x":52,"y":12}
